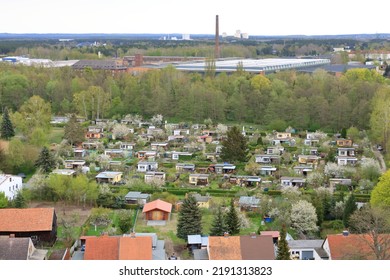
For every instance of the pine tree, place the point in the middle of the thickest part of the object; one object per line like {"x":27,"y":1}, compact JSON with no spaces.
{"x":19,"y":201}
{"x":234,"y":147}
{"x":74,"y":132}
{"x":350,"y":207}
{"x":45,"y":161}
{"x":218,"y":226}
{"x":7,"y":129}
{"x":231,"y":220}
{"x":190,"y":218}
{"x":283,"y":249}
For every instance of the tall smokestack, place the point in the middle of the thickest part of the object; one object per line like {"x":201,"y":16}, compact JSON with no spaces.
{"x":217,"y":51}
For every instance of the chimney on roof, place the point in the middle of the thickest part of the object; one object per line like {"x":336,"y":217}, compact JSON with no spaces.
{"x":253,"y":235}
{"x":226,"y":234}
{"x":345,"y":233}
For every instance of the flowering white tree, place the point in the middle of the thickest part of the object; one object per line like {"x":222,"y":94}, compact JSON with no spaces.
{"x":338,"y":210}
{"x":120,"y":131}
{"x":157,"y":120}
{"x":315,"y":179}
{"x":291,"y":193}
{"x":303,"y":217}
{"x":133,"y":119}
{"x":104,"y":161}
{"x":221,"y":129}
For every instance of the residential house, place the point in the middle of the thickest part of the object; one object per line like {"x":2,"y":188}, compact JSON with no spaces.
{"x":203,"y":201}
{"x":205,"y":139}
{"x":146,"y":166}
{"x":146,"y":155}
{"x":199,"y":179}
{"x":177,"y":132}
{"x":307,"y":250}
{"x":137,"y":198}
{"x":90,"y":145}
{"x":110,"y":177}
{"x":245,"y":181}
{"x":116,"y":165}
{"x":275,"y":150}
{"x":114,"y":153}
{"x":346,"y":152}
{"x":303,"y":170}
{"x":127,"y":146}
{"x":309,"y":160}
{"x":79,"y":152}
{"x":10,"y":185}
{"x":185,"y":167}
{"x":282,"y":135}
{"x":267,"y":170}
{"x":344,"y":142}
{"x":94,"y":133}
{"x":197,"y":241}
{"x":177,"y":155}
{"x":333,"y":182}
{"x":21,"y":248}
{"x":267,"y":159}
{"x":66,"y":172}
{"x":222,"y":168}
{"x":274,"y":234}
{"x":157,"y":146}
{"x":155,"y":177}
{"x":311,"y":139}
{"x":248,"y":203}
{"x":347,"y":246}
{"x":345,"y":160}
{"x":292,"y":181}
{"x":245,"y":247}
{"x":118,"y":247}
{"x":40,"y":224}
{"x":157,"y":210}
{"x":75,"y":164}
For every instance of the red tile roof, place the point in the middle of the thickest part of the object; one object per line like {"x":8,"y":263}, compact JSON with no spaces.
{"x":257,"y":247}
{"x":118,"y":248}
{"x":224,"y":248}
{"x":157,"y":204}
{"x":274,"y":234}
{"x":26,"y":220}
{"x":353,"y":246}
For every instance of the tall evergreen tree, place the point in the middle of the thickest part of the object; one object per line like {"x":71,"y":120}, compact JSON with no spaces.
{"x":231,"y":220}
{"x":7,"y":129}
{"x":349,"y":209}
{"x":234,"y":147}
{"x":19,"y":201}
{"x":74,"y":132}
{"x":283,"y":249}
{"x":218,"y":226}
{"x":45,"y":161}
{"x":190,"y":218}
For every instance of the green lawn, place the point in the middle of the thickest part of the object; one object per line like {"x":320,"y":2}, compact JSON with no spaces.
{"x":56,"y":135}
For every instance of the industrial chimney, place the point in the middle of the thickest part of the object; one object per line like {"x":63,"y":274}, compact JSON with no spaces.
{"x":217,"y":50}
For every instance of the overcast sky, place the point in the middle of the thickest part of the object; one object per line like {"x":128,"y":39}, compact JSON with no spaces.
{"x":255,"y":17}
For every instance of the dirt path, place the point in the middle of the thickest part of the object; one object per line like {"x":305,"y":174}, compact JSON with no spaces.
{"x":380,"y":159}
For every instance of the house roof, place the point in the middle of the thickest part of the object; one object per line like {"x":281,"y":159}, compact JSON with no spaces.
{"x":118,"y":248}
{"x":157,"y":204}
{"x":108,"y":174}
{"x":249,"y":200}
{"x":194,"y":239}
{"x":137,"y":195}
{"x":257,"y":247}
{"x":273,"y":233}
{"x":353,"y":246}
{"x":224,"y":248}
{"x":200,"y":254}
{"x":26,"y":220}
{"x":297,"y":244}
{"x":14,"y":248}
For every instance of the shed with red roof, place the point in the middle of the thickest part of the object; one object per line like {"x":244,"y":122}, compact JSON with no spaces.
{"x":157,"y":210}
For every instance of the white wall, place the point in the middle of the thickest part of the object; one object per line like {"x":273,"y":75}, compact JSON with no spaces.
{"x":10,"y":185}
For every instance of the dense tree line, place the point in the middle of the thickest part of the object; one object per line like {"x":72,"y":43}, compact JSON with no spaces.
{"x":304,"y":101}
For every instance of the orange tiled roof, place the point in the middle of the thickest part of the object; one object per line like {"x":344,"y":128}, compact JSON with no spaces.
{"x":25,"y":220}
{"x":353,"y":246}
{"x":135,"y":248}
{"x":224,"y":248}
{"x":102,"y":248}
{"x":118,"y":248}
{"x":157,"y":204}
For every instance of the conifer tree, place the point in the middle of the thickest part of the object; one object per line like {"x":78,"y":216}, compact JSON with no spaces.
{"x":234,"y":147}
{"x":19,"y":201}
{"x":218,"y":226}
{"x":231,"y":220}
{"x":349,"y":209}
{"x":7,"y":129}
{"x":190,"y":218}
{"x":45,"y":161}
{"x":283,"y":249}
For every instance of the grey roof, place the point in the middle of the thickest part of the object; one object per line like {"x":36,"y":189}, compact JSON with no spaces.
{"x":249,"y":200}
{"x":159,"y":252}
{"x":137,"y":195}
{"x":98,"y":65}
{"x":200,"y":254}
{"x":194,"y":239}
{"x":205,"y":240}
{"x":322,"y":253}
{"x":295,"y":244}
{"x":200,"y":198}
{"x":13,"y":248}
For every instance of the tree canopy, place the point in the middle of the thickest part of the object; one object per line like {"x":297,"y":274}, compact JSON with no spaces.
{"x":190,"y":218}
